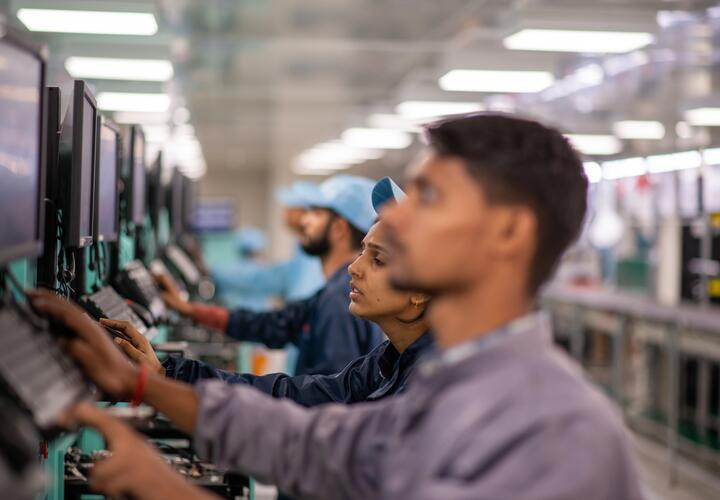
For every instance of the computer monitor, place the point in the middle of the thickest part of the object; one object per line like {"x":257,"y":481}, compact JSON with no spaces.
{"x":22,"y":186}
{"x":106,"y":184}
{"x":189,"y":199}
{"x":77,"y":167}
{"x":136,"y":194}
{"x":155,"y":190}
{"x":175,"y":203}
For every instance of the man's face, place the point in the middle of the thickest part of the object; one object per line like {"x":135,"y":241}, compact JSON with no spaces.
{"x":441,"y":235}
{"x":315,"y":235}
{"x":293,"y":218}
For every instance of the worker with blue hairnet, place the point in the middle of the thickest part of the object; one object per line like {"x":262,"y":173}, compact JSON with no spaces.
{"x":230,"y":278}
{"x":327,"y":336}
{"x":296,"y":278}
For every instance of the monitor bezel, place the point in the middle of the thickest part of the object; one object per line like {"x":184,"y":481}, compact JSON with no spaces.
{"x":33,"y":248}
{"x":81,"y":92}
{"x":175,"y":206}
{"x":135,"y":132}
{"x":112,"y":237}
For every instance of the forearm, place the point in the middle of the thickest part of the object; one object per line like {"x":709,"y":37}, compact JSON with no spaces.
{"x":176,"y":400}
{"x":296,"y":448}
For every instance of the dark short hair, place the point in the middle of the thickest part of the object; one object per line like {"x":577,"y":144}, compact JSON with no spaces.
{"x":356,"y":235}
{"x":517,"y":160}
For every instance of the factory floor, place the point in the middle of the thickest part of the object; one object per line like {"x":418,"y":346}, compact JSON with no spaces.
{"x":693,"y":483}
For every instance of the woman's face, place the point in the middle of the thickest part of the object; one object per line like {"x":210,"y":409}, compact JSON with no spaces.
{"x":371,"y":296}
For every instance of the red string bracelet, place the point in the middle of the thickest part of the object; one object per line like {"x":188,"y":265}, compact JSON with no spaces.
{"x":140,"y":386}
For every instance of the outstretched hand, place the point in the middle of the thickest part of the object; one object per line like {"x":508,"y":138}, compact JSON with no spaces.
{"x":137,"y":348}
{"x":171,"y":294}
{"x":90,"y":345}
{"x":134,"y":469}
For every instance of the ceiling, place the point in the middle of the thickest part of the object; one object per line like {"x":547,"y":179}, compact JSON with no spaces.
{"x":264,"y":80}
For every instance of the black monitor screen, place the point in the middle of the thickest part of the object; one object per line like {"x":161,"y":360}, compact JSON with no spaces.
{"x":88,"y":129}
{"x":107,"y":192}
{"x":20,"y":86}
{"x":176,"y":199}
{"x":138,"y":193}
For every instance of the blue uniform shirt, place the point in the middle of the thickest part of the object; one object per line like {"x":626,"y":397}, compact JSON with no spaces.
{"x":327,"y":336}
{"x":381,"y":373}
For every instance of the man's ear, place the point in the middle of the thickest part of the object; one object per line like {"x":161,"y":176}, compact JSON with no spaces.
{"x":339,"y":227}
{"x":516,"y":229}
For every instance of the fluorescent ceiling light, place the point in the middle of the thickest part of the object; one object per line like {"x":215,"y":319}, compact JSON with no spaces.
{"x":83,"y":21}
{"x":595,"y":144}
{"x":303,"y":171}
{"x":339,"y":148}
{"x":712,"y":156}
{"x":103,"y":68}
{"x":636,"y":129}
{"x":703,"y":117}
{"x":620,"y":169}
{"x":593,"y":171}
{"x":675,"y":161}
{"x":141,"y":118}
{"x":599,"y":42}
{"x":123,"y":101}
{"x":471,"y":80}
{"x":334,"y":156}
{"x":589,"y":75}
{"x":376,"y":138}
{"x":419,"y":110}
{"x":397,"y":122}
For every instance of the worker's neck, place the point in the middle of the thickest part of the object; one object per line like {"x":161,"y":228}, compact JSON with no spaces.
{"x":402,"y":334}
{"x":460,"y":316}
{"x":337,"y":258}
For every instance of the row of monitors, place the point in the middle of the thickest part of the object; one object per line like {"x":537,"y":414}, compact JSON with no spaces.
{"x":89,"y":151}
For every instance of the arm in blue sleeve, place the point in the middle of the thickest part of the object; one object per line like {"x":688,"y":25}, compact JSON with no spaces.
{"x":275,"y":329}
{"x":252,"y":277}
{"x":353,"y":384}
{"x":340,"y":337}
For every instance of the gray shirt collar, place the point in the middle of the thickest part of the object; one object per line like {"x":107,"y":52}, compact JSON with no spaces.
{"x":537,"y":322}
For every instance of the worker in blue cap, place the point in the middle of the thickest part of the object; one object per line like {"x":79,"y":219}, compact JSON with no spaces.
{"x":327,"y":336}
{"x":296,"y":278}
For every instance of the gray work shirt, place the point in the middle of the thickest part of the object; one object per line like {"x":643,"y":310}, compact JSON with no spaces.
{"x":503,"y":417}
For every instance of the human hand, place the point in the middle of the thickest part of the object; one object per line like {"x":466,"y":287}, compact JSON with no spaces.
{"x":138,"y":348}
{"x":90,"y":345}
{"x":171,"y":294}
{"x":134,"y":469}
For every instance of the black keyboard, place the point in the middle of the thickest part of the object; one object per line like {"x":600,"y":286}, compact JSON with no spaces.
{"x":107,"y":303}
{"x":39,"y":374}
{"x":136,"y":283}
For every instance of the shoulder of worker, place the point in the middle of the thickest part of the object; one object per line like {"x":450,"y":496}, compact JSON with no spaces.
{"x":535,"y":419}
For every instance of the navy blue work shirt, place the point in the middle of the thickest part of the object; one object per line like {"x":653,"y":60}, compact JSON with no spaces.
{"x":327,"y":336}
{"x":383,"y":372}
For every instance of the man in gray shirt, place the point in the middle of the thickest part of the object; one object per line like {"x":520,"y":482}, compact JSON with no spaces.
{"x":497,"y":413}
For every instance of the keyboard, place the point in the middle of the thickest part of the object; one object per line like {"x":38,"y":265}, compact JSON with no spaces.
{"x":37,"y":372}
{"x":107,"y":303}
{"x":136,"y":283}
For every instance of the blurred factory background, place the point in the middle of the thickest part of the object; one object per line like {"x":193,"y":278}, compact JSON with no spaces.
{"x":250,"y":95}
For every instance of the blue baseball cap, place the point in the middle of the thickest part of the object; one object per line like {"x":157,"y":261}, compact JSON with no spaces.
{"x":250,"y":239}
{"x":385,"y":191}
{"x":297,"y":194}
{"x":347,"y":195}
